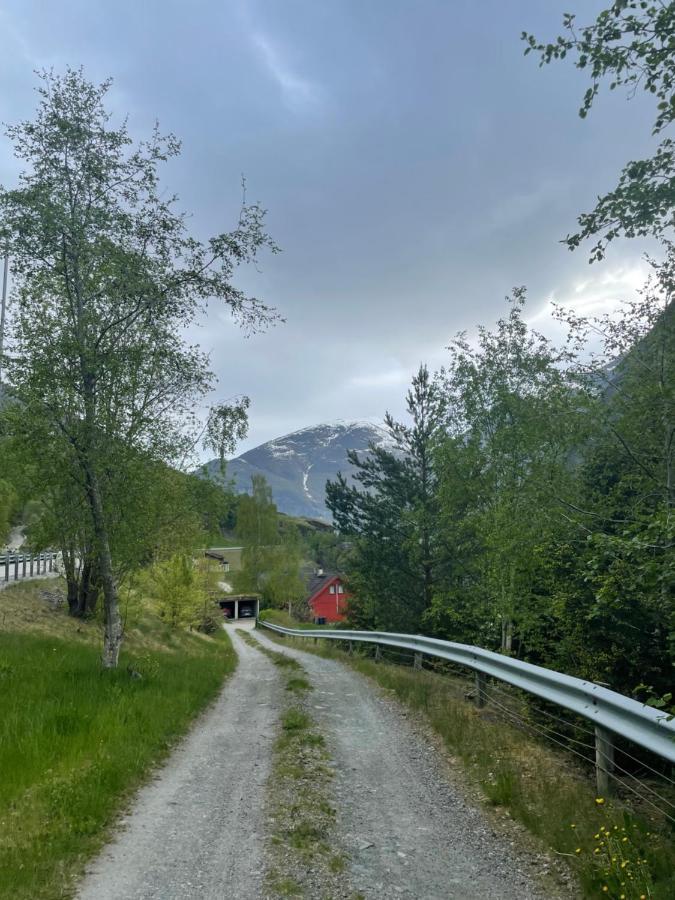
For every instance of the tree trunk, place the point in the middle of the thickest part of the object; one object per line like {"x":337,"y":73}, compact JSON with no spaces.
{"x":72,"y":590}
{"x":507,"y":635}
{"x":113,"y":631}
{"x":88,"y":591}
{"x":68,"y":557}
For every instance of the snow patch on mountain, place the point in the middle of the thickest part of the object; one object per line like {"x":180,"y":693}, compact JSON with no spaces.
{"x":297,"y":465}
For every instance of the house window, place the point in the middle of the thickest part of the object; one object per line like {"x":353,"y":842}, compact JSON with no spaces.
{"x":341,"y":589}
{"x":332,"y":588}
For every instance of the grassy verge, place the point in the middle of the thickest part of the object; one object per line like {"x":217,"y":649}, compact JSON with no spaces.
{"x":303,"y":855}
{"x":75,"y":741}
{"x":281,"y":617}
{"x":607,"y":845}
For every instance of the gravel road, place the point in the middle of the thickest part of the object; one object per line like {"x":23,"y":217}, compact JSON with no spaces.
{"x":196,"y":831}
{"x":410,"y":832}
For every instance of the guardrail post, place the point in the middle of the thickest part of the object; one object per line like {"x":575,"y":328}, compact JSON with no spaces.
{"x":604,"y":761}
{"x":16,"y":567}
{"x":350,"y":649}
{"x":6,"y":568}
{"x":51,"y":563}
{"x":31,"y":564}
{"x":417,"y":661}
{"x":378,"y":653}
{"x":23,"y":565}
{"x":481,"y":689}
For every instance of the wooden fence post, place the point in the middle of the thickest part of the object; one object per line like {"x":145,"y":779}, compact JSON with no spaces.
{"x":604,"y":761}
{"x":481,"y":693}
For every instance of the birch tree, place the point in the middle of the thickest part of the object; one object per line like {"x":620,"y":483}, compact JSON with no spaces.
{"x":106,"y":276}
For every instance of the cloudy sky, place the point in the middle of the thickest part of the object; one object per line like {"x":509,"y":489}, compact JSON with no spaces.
{"x":414,"y":164}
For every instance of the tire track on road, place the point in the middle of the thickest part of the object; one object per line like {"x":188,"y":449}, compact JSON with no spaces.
{"x":198,"y":829}
{"x":410,"y":832}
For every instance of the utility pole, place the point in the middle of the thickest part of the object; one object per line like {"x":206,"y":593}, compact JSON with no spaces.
{"x":3,"y":308}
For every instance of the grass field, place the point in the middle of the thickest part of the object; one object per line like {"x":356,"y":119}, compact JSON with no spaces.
{"x":75,"y":740}
{"x":608,"y":846}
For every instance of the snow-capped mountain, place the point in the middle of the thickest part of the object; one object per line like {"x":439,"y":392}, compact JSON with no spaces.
{"x":298,"y":465}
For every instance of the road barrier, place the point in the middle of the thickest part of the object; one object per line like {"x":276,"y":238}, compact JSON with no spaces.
{"x":609,"y":712}
{"x":15,"y":566}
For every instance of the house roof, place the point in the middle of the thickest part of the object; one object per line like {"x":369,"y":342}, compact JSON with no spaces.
{"x":318,"y":582}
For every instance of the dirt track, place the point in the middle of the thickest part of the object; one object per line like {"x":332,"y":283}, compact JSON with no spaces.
{"x":198,"y":830}
{"x":410,"y":833}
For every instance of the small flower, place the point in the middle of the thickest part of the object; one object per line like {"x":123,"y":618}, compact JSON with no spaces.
{"x":573,"y":825}
{"x":578,"y":850}
{"x":623,"y":840}
{"x":597,"y":837}
{"x":599,"y":800}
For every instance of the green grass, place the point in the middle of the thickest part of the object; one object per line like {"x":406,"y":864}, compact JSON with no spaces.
{"x":75,"y":740}
{"x":297,"y":684}
{"x":295,"y":719}
{"x":541,"y":788}
{"x":281,"y":617}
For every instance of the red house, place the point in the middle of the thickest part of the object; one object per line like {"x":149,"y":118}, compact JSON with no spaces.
{"x":327,"y":597}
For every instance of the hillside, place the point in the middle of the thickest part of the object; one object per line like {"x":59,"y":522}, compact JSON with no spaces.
{"x":298,"y":465}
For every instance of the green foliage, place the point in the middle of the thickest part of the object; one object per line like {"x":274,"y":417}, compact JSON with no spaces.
{"x":391,"y":515}
{"x":8,"y":500}
{"x":107,"y":277}
{"x":180,"y":590}
{"x":551,"y":503}
{"x":272,"y":555}
{"x":630,"y":44}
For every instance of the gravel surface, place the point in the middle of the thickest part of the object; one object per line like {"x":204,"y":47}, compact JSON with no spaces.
{"x":197,"y":830}
{"x":409,"y":830}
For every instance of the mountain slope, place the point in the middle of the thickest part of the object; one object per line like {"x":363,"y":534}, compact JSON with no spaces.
{"x":298,"y":465}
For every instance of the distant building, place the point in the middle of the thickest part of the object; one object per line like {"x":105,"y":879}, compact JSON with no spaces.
{"x":228,"y":557}
{"x":328,"y":597}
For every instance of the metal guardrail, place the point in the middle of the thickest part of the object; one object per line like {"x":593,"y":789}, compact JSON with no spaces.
{"x":607,"y":710}
{"x":14,"y":566}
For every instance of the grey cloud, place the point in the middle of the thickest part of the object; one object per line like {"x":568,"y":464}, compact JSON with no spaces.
{"x":414,"y":164}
